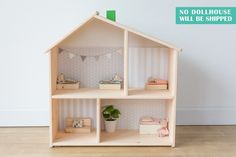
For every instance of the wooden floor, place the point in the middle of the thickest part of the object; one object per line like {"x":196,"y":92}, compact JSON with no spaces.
{"x":191,"y":141}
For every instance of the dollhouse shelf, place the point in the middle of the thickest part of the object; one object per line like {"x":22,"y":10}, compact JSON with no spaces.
{"x":118,"y":138}
{"x":88,"y":93}
{"x":132,"y":138}
{"x":140,"y":57}
{"x":74,"y":139}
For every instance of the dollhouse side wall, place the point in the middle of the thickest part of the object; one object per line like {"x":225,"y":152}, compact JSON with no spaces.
{"x":54,"y":68}
{"x":171,"y":104}
{"x":54,"y":108}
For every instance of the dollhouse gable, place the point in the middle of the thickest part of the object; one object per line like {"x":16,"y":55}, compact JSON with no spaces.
{"x":98,"y":31}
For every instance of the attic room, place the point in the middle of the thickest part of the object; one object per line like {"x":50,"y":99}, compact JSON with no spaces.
{"x":95,"y":51}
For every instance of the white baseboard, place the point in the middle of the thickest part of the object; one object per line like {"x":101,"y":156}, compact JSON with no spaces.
{"x":32,"y":117}
{"x":185,"y":116}
{"x":206,"y":116}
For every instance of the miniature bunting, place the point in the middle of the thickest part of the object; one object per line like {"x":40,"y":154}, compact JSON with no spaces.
{"x":96,"y":58}
{"x":83,"y":57}
{"x":60,"y":50}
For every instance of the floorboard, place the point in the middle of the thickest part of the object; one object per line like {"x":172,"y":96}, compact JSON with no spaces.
{"x":191,"y":141}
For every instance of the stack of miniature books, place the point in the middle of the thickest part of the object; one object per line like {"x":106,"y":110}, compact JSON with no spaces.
{"x":114,"y":83}
{"x":157,"y":84}
{"x":149,"y":125}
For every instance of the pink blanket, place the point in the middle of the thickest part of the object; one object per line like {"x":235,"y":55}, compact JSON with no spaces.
{"x":149,"y":121}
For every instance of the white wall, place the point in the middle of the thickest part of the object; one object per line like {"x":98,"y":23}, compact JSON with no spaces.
{"x":206,"y":66}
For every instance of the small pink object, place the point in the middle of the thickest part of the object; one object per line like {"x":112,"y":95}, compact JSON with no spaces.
{"x":163,"y":132}
{"x":153,"y":81}
{"x":149,"y":121}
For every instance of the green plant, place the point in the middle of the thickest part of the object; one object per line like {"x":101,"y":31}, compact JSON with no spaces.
{"x":110,"y":113}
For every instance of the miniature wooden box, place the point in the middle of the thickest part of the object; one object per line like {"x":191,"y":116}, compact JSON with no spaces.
{"x":149,"y":129}
{"x":149,"y":125}
{"x":87,"y":125}
{"x":68,"y":86}
{"x":110,"y":86}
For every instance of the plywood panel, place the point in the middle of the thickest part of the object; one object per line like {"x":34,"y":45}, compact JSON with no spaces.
{"x":95,"y":34}
{"x":126,"y":62}
{"x":54,"y":120}
{"x":54,"y":68}
{"x":90,"y":93}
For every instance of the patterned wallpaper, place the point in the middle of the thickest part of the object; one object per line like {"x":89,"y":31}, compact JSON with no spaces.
{"x":143,"y":63}
{"x":90,"y":71}
{"x":131,"y":110}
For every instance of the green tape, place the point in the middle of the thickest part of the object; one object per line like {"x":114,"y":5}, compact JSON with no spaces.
{"x":111,"y":15}
{"x":205,"y":15}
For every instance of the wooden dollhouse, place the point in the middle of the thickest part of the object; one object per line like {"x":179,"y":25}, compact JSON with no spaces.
{"x":96,"y":50}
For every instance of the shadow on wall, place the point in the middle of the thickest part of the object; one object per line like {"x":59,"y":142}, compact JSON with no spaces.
{"x":200,"y":88}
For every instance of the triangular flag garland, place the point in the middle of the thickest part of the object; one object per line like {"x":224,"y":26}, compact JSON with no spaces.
{"x":108,"y":52}
{"x":60,"y":50}
{"x":96,"y":58}
{"x":83,"y":57}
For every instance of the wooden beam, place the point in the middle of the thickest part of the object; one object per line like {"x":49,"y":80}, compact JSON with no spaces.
{"x":98,"y":132}
{"x":54,"y":68}
{"x":126,"y":55}
{"x":54,"y":120}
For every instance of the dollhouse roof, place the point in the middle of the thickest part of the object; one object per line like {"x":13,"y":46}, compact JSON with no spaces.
{"x":115,"y":24}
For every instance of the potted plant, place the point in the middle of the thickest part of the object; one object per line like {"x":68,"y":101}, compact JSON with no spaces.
{"x":110,"y":115}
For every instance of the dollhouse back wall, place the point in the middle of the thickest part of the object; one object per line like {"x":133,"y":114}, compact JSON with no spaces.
{"x":131,"y":110}
{"x":143,"y":63}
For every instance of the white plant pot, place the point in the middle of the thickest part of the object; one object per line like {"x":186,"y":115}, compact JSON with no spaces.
{"x":110,"y":126}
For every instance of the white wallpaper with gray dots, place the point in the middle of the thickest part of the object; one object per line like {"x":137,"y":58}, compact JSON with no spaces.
{"x":131,"y":110}
{"x":143,"y":63}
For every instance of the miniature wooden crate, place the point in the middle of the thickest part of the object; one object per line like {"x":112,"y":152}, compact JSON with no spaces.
{"x":68,"y":86}
{"x":110,"y":86}
{"x":87,"y":126}
{"x":157,"y":87}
